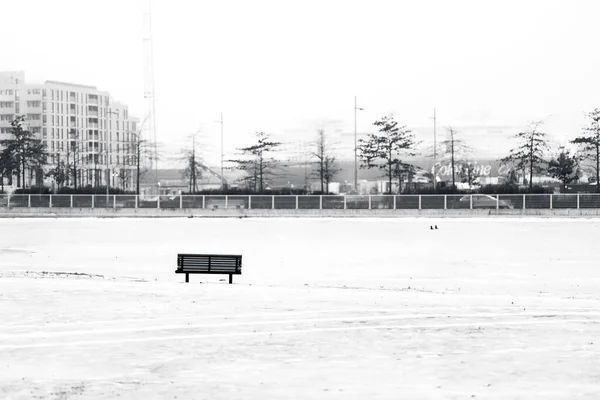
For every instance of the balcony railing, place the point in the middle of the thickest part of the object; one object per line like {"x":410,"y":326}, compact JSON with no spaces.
{"x":310,"y":202}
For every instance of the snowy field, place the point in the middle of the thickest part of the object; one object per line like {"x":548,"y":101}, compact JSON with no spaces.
{"x":325,"y":309}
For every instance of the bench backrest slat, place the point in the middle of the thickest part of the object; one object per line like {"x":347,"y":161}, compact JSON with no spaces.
{"x":209,"y":262}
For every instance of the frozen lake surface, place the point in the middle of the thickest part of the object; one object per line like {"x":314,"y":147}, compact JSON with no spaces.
{"x":496,"y":308}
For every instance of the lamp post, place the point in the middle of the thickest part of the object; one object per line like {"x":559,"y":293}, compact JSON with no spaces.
{"x":106,"y":130}
{"x":222,"y":178}
{"x":356,"y":108}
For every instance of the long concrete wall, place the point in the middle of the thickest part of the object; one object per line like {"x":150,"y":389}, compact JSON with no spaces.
{"x":257,"y":213}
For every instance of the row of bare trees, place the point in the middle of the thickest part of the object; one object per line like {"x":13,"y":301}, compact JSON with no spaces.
{"x":392,"y":145}
{"x":387,"y":149}
{"x":530,"y":154}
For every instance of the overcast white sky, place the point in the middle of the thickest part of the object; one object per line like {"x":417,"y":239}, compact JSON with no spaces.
{"x":288,"y":67}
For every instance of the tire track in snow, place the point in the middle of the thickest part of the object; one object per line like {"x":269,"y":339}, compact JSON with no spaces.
{"x":287,"y":332}
{"x":228,"y":324}
{"x":183,"y":317}
{"x":538,"y":310}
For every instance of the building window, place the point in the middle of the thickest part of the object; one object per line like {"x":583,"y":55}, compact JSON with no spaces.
{"x":17,"y":108}
{"x":31,"y":103}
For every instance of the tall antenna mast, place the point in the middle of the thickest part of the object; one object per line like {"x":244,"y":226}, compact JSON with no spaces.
{"x":149,"y":89}
{"x":434,"y":152}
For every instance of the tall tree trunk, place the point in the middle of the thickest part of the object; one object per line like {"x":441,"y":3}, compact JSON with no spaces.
{"x":23,"y":171}
{"x":260,"y":173}
{"x":137,"y":173}
{"x":452,"y":162}
{"x":389,"y":178}
{"x":322,"y":173}
{"x":531,"y":164}
{"x":597,"y":167}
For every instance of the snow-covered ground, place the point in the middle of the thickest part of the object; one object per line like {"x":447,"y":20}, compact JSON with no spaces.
{"x":325,"y":308}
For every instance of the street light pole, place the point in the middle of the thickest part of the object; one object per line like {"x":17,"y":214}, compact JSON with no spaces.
{"x":222,"y":178}
{"x":107,"y":112}
{"x":356,"y":108}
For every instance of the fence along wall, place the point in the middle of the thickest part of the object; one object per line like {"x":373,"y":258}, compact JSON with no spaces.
{"x":307,"y":202}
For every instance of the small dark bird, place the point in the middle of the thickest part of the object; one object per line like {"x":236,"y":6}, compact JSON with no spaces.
{"x":430,"y":227}
{"x":436,"y":227}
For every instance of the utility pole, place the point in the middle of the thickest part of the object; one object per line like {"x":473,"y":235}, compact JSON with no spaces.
{"x":356,"y":108}
{"x":222,"y":180}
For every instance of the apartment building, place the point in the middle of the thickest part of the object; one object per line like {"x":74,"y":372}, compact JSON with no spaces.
{"x":80,"y":125}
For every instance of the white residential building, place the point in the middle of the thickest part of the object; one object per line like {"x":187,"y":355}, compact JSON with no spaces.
{"x":80,"y":125}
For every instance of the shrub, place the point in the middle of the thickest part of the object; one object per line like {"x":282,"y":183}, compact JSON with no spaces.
{"x":34,"y":190}
{"x":511,"y":188}
{"x":91,"y":190}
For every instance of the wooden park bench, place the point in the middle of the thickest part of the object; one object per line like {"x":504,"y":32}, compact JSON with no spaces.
{"x":209,"y":264}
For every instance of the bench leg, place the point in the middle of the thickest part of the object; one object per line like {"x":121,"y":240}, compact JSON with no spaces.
{"x":230,"y":279}
{"x":187,"y":278}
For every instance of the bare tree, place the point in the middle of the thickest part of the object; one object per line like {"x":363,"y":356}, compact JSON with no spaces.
{"x":73,"y":158}
{"x":384,"y":149}
{"x":325,"y":162}
{"x":59,"y":173}
{"x":454,"y":150}
{"x":529,"y":152}
{"x":193,"y":169}
{"x":590,"y":144}
{"x":259,"y":167}
{"x":143,"y":151}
